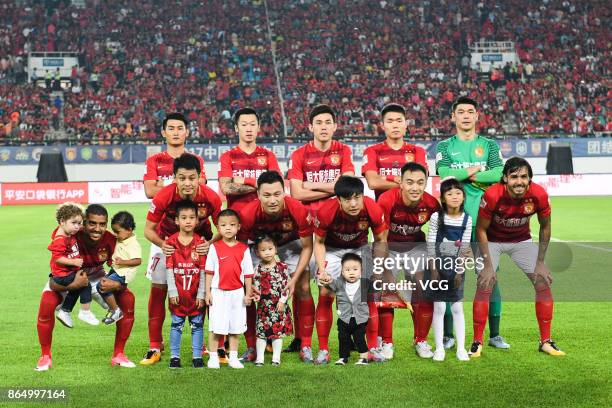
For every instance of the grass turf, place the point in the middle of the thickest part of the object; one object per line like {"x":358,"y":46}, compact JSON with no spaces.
{"x":517,"y":377}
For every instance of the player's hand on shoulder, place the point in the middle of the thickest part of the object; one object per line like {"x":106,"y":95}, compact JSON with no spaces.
{"x":202,"y":249}
{"x":174,"y":300}
{"x":167,"y":249}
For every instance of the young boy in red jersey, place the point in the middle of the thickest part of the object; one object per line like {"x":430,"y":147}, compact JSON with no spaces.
{"x":229,"y":270}
{"x":185,"y":277}
{"x":65,"y":258}
{"x":503,"y":228}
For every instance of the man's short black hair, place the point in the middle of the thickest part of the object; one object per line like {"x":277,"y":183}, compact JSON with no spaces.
{"x":228,"y":212}
{"x":392,"y":107}
{"x":413,"y":167}
{"x":187,"y":161}
{"x":244,"y":111}
{"x":348,"y":186}
{"x":270,"y":177}
{"x":319,"y":109}
{"x":174,"y":116}
{"x":350,"y":256}
{"x":464,"y":100}
{"x":514,"y":164}
{"x":186,"y":205}
{"x":96,"y":209}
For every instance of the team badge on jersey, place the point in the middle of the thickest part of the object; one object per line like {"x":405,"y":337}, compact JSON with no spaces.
{"x":287,"y":224}
{"x":409,"y":157}
{"x":262,"y":160}
{"x":528,"y":208}
{"x":422,"y":216}
{"x":363,"y":225}
{"x":102,"y":255}
{"x":334,"y":158}
{"x":202,"y":212}
{"x":194,"y":256}
{"x":479,"y":151}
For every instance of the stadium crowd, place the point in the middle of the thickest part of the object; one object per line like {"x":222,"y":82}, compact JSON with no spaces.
{"x":139,"y":60}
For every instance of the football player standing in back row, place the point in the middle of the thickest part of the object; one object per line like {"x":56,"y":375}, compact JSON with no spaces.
{"x":477,"y":162}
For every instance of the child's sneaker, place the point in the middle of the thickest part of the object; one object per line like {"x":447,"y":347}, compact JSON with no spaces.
{"x":423,"y":349}
{"x":235,"y":363}
{"x":341,"y":362}
{"x":322,"y":357}
{"x":362,"y":361}
{"x":197,"y":363}
{"x":88,"y":317}
{"x":388,"y":351}
{"x":44,"y":363}
{"x":439,"y":354}
{"x":175,"y":362}
{"x":122,"y":361}
{"x":376,"y":356}
{"x":65,"y":318}
{"x":248,"y":356}
{"x":276,"y":364}
{"x":306,"y":355}
{"x":213,"y":362}
{"x":113,"y":316}
{"x":449,"y":342}
{"x":462,"y":355}
{"x":258,"y":364}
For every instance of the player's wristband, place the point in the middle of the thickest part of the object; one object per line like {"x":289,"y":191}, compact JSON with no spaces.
{"x":250,"y":182}
{"x":391,"y":179}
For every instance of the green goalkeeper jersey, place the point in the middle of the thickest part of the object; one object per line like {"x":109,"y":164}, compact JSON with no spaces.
{"x":454,"y":156}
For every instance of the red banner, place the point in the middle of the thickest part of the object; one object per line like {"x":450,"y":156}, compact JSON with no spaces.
{"x":44,"y":193}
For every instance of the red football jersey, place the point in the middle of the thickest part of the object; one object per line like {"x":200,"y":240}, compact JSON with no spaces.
{"x":405,"y":222}
{"x":63,"y":246}
{"x":229,"y":265}
{"x":386,"y":161}
{"x":187,"y":267}
{"x":160,"y":166}
{"x":311,"y":164}
{"x":342,"y":231}
{"x":292,"y":223}
{"x":237,"y":163}
{"x":95,"y":256}
{"x":163,"y":213}
{"x":510,"y":216}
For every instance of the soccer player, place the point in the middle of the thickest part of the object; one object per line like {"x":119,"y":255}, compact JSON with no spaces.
{"x":477,"y":162}
{"x":96,"y":246}
{"x":383,"y":161}
{"x":341,"y":226}
{"x":286,"y":220}
{"x":159,"y":171}
{"x":313,"y":171}
{"x":407,"y":209}
{"x":161,"y":224}
{"x":503,"y":228}
{"x":242,"y":165}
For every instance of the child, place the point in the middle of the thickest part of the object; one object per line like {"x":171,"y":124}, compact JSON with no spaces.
{"x":273,"y":313}
{"x":126,"y":258}
{"x":449,"y":233}
{"x":66,"y":260}
{"x":352,"y":305}
{"x":229,"y":270}
{"x":185,"y":277}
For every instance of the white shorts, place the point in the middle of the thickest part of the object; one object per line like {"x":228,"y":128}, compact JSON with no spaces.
{"x":227,"y":314}
{"x":524,"y":254}
{"x":156,"y":270}
{"x":333,"y":261}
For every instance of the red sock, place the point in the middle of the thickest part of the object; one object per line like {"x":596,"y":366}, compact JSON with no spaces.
{"x":307,"y":319}
{"x":414,"y":315}
{"x":424,"y":320}
{"x":372,"y":326}
{"x":544,"y":311}
{"x":480,"y":311}
{"x":46,"y":319}
{"x":221,"y":343}
{"x":296,"y":316}
{"x":157,"y":315}
{"x":324,"y":316}
{"x":249,"y":334}
{"x":385,"y":324}
{"x":125,"y":301}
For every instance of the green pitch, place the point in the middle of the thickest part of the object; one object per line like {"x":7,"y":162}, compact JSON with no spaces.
{"x":517,"y":377}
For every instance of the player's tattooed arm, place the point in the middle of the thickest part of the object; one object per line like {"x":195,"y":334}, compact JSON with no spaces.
{"x":229,"y":186}
{"x":544,"y":237}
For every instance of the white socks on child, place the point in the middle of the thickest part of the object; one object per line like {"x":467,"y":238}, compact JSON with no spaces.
{"x":260,"y":345}
{"x":458,"y":325}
